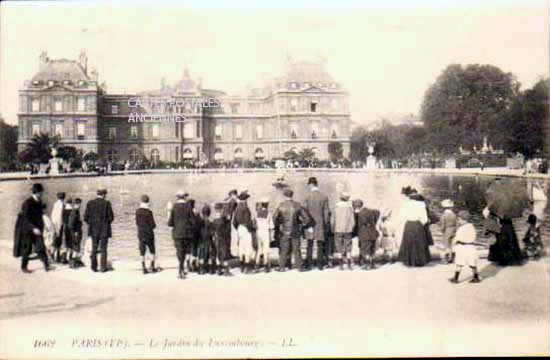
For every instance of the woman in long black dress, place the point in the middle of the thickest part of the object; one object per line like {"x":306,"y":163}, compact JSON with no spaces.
{"x":505,"y":251}
{"x":414,"y":250}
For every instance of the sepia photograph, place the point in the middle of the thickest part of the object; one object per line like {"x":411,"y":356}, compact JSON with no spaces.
{"x":275,"y":179}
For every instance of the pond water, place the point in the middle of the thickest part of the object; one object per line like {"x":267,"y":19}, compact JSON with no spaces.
{"x":378,"y":190}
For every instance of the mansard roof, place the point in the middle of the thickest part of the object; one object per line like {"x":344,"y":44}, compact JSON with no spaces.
{"x":59,"y":70}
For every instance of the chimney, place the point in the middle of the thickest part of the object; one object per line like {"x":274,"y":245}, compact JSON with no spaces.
{"x":43,"y":59}
{"x":83,"y":59}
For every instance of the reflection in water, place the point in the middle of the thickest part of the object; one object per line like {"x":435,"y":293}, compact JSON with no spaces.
{"x":378,"y":190}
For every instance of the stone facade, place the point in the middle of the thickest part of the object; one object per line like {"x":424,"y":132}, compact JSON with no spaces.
{"x":304,"y":108}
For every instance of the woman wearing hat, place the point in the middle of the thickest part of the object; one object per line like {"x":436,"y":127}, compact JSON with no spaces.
{"x":242,"y":220}
{"x":414,"y":249}
{"x":448,"y":228}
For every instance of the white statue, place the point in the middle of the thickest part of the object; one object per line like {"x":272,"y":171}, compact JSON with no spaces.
{"x":54,"y":163}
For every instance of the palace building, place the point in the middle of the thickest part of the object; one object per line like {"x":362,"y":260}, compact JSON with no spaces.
{"x":303,"y":108}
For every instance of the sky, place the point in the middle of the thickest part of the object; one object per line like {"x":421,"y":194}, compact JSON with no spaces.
{"x":385,"y":53}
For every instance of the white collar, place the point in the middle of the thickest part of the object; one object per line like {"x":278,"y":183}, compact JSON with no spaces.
{"x":36,"y":198}
{"x":143,"y":205}
{"x":314,"y":188}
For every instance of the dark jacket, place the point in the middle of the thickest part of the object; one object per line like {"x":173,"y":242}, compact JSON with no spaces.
{"x":229,"y":209}
{"x":290,"y":217}
{"x":99,"y":216}
{"x":366,"y":224}
{"x":75,"y":224}
{"x":317,"y":205}
{"x":243,"y":216}
{"x":28,"y":219}
{"x":145,"y":224}
{"x":183,"y":221}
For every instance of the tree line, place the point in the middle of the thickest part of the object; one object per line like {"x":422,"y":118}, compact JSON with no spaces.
{"x":464,"y":105}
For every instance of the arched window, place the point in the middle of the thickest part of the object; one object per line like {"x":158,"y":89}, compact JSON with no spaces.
{"x":334,"y":131}
{"x":155,"y":156}
{"x":315,"y":152}
{"x":218,"y":154}
{"x":238,"y":153}
{"x":134,"y":155}
{"x":187,"y":154}
{"x":259,"y":153}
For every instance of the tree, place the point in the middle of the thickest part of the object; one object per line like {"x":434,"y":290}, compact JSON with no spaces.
{"x":91,"y":156}
{"x":525,"y":122}
{"x":39,"y":149}
{"x":465,"y":104}
{"x":67,"y":153}
{"x":290,"y":155}
{"x":8,"y":145}
{"x":335,"y":150}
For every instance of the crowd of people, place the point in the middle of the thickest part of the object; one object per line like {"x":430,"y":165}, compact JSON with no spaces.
{"x":204,"y":238}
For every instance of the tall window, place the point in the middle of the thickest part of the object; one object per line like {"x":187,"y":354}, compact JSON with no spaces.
{"x":218,"y":132}
{"x":81,"y":104}
{"x":188,"y":130}
{"x":155,"y":156}
{"x":80,"y":130}
{"x":134,"y":132}
{"x":58,"y":105}
{"x":177,"y":153}
{"x":198,"y":128}
{"x":58,"y":130}
{"x":238,"y":153}
{"x":218,"y":154}
{"x":314,"y":130}
{"x":112,"y":155}
{"x":155,"y":131}
{"x":112,"y":133}
{"x":313,"y":106}
{"x":238,"y":131}
{"x":293,"y":131}
{"x":35,"y":105}
{"x":259,"y":131}
{"x":114,"y":109}
{"x":35,"y":129}
{"x":334,"y":131}
{"x":293,"y":104}
{"x":235,"y":108}
{"x":187,"y":154}
{"x":177,"y":129}
{"x":334,"y":104}
{"x":134,"y":155}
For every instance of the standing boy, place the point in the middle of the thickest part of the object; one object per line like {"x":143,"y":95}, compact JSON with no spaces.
{"x":366,"y":222}
{"x":464,"y":245}
{"x":75,"y":227}
{"x":221,"y":235}
{"x":146,"y":233}
{"x":342,"y":223}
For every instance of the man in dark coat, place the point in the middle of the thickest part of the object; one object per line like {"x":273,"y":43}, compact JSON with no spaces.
{"x":290,"y":217}
{"x":29,"y":228}
{"x":317,"y":205}
{"x":182,"y":220}
{"x":99,"y":216}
